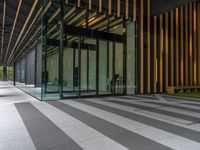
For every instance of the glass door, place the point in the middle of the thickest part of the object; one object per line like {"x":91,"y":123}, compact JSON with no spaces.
{"x":88,"y":84}
{"x":71,"y":68}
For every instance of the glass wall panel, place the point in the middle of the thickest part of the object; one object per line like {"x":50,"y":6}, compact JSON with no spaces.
{"x":70,"y":72}
{"x":88,"y":66}
{"x":51,"y":74}
{"x":105,"y":67}
{"x":119,"y":69}
{"x":27,"y":72}
{"x":131,"y":58}
{"x":51,"y":69}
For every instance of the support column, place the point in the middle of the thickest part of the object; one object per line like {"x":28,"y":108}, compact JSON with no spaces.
{"x":4,"y":73}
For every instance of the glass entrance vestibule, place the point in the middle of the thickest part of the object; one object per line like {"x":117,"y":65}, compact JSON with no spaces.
{"x":86,"y":52}
{"x":91,"y":66}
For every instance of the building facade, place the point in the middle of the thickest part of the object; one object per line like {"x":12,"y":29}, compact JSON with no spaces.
{"x":114,"y":47}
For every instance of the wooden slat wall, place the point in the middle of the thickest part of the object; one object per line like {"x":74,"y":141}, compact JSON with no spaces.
{"x":175,"y":48}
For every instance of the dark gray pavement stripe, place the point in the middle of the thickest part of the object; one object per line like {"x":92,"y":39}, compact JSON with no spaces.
{"x":179,"y":98}
{"x":125,"y":98}
{"x":136,"y":98}
{"x":155,"y":110}
{"x":178,"y":130}
{"x":175,"y":106}
{"x":44,"y":133}
{"x":121,"y":135}
{"x":147,"y":97}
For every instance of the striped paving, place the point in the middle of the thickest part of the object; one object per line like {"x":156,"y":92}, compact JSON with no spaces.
{"x":107,"y":123}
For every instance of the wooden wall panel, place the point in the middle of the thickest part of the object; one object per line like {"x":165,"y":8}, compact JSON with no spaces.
{"x":166,"y":50}
{"x":172,"y":47}
{"x":177,"y":47}
{"x":186,"y":47}
{"x":181,"y":48}
{"x":148,"y":46}
{"x":161,"y":55}
{"x":155,"y":54}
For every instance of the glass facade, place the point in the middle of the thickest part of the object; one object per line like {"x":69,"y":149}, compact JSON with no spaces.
{"x":82,"y":53}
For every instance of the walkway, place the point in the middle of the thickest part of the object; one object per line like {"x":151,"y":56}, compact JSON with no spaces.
{"x":104,"y":123}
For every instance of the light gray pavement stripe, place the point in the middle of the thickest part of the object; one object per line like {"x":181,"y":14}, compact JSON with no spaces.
{"x":13,"y":133}
{"x":178,"y":130}
{"x":123,"y":136}
{"x":192,"y":104}
{"x":175,"y":106}
{"x":44,"y":133}
{"x":155,"y":110}
{"x":85,"y":136}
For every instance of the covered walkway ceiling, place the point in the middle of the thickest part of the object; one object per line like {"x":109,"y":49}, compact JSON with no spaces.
{"x":19,"y":21}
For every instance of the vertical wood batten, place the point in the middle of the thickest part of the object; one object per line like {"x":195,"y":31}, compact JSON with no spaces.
{"x":172,"y":48}
{"x":118,"y":8}
{"x":100,"y":6}
{"x":148,"y":46}
{"x":166,"y":50}
{"x":186,"y":47}
{"x":181,"y":48}
{"x":190,"y":45}
{"x":78,"y":3}
{"x":127,"y":9}
{"x":195,"y":41}
{"x":155,"y":54}
{"x":109,"y":7}
{"x":161,"y":53}
{"x":177,"y":47}
{"x":141,"y":48}
{"x":198,"y":44}
{"x":90,"y":4}
{"x":134,"y":10}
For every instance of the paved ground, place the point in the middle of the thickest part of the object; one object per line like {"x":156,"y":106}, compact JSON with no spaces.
{"x":109,"y":123}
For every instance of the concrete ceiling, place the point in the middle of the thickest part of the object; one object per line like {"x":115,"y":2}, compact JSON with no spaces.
{"x":8,"y":42}
{"x":162,"y":6}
